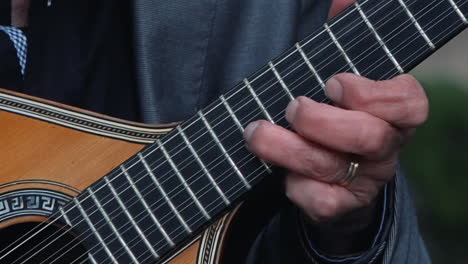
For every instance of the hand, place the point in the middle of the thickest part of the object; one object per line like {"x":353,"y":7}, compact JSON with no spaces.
{"x":369,"y":124}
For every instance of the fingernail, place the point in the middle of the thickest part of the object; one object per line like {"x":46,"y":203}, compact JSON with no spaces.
{"x":249,"y":130}
{"x":334,"y":90}
{"x":291,"y":110}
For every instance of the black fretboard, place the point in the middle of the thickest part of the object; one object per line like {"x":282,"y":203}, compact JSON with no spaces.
{"x":165,"y":194}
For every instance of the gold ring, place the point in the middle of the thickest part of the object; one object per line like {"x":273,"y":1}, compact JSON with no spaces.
{"x":350,"y":175}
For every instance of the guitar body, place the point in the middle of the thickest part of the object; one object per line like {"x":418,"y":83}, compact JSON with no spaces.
{"x":50,"y":153}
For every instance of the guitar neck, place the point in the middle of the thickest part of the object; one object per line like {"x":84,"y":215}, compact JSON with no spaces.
{"x":170,"y":190}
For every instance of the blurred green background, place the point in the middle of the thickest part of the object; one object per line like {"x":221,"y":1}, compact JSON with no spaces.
{"x":436,"y":160}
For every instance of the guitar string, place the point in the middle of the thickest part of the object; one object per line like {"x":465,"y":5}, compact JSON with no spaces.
{"x":169,"y":139}
{"x":439,"y":35}
{"x":257,"y":169}
{"x":409,"y":63}
{"x":210,"y":164}
{"x":52,"y":220}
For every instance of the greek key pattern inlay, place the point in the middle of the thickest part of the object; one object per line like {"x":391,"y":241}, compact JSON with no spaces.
{"x":32,"y":202}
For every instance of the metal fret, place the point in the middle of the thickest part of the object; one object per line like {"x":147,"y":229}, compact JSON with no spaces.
{"x":112,"y":226}
{"x":91,"y":258}
{"x":95,"y":232}
{"x":67,"y":220}
{"x":416,"y":24}
{"x":164,"y":194}
{"x":205,"y":170}
{"x":459,"y":12}
{"x":239,"y":125}
{"x":145,"y":204}
{"x":251,"y":90}
{"x":129,"y":216}
{"x":379,"y":39}
{"x":309,"y":64}
{"x":343,"y":52}
{"x":225,"y":153}
{"x":231,"y":113}
{"x":181,"y":178}
{"x":281,"y":81}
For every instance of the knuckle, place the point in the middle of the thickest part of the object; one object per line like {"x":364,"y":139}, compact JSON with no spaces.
{"x":420,"y":111}
{"x":364,"y":97}
{"x":406,"y":85}
{"x":323,"y":170}
{"x":367,"y":200}
{"x":328,"y":169}
{"x":409,"y":81}
{"x":373,"y":141}
{"x":414,"y":107}
{"x":404,"y":112}
{"x":327,"y":207}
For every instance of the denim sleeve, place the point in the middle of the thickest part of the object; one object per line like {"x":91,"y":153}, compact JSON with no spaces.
{"x":397,"y":240}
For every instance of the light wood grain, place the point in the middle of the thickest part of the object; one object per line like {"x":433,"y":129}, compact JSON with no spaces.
{"x":31,"y":149}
